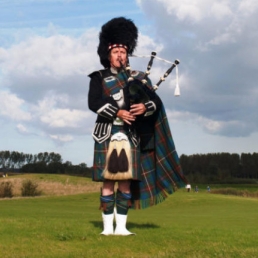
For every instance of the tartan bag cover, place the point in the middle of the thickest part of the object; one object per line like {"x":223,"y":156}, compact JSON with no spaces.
{"x":161,"y":170}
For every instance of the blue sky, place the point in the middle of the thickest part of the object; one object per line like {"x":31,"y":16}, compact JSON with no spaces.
{"x":48,"y":47}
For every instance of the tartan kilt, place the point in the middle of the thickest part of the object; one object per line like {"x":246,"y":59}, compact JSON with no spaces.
{"x":100,"y":155}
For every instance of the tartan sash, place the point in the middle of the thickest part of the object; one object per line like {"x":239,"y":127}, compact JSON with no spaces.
{"x":113,"y":83}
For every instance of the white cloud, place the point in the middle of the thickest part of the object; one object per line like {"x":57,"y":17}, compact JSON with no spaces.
{"x":48,"y":83}
{"x":177,"y":116}
{"x":3,"y":55}
{"x":211,"y":126}
{"x":55,"y":56}
{"x":194,"y":11}
{"x":50,"y":102}
{"x":62,"y":138}
{"x":221,"y":10}
{"x":64,"y":118}
{"x":248,"y":7}
{"x":197,"y":11}
{"x":22,"y":129}
{"x":209,"y":22}
{"x":147,"y":44}
{"x":231,"y":128}
{"x":11,"y":107}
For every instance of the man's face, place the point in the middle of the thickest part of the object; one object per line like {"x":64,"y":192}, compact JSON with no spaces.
{"x":117,"y":54}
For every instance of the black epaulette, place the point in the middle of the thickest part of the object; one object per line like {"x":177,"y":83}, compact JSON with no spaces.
{"x":102,"y":73}
{"x":94,"y":73}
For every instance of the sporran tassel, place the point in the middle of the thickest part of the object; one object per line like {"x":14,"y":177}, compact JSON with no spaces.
{"x":112,"y":162}
{"x":123,"y":163}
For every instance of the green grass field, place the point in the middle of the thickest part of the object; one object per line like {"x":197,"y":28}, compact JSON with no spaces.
{"x":185,"y":225}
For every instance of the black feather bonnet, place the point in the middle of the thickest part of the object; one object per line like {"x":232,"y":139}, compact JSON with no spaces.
{"x":116,"y":32}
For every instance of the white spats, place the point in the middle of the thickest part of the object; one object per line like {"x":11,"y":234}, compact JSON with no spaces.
{"x":121,"y":225}
{"x":108,"y":224}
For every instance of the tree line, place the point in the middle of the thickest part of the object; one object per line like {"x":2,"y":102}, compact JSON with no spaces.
{"x":220,"y":167}
{"x":43,"y":162}
{"x":199,"y":168}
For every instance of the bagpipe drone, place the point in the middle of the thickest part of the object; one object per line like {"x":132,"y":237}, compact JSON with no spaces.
{"x":138,"y":92}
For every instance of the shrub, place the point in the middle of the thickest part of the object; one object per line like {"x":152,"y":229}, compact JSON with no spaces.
{"x":30,"y":188}
{"x":232,"y":191}
{"x":6,"y":189}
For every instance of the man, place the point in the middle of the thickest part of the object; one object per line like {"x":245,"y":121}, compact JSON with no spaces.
{"x":129,"y":113}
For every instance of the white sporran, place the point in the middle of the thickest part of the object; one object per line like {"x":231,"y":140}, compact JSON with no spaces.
{"x":118,"y":160}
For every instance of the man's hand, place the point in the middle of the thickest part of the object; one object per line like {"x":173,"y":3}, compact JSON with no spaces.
{"x":137,"y":109}
{"x":126,"y":116}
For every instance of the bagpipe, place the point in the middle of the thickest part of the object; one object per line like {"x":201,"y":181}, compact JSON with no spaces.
{"x":137,"y":88}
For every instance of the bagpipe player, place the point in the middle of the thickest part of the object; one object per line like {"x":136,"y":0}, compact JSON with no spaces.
{"x":133,"y":145}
